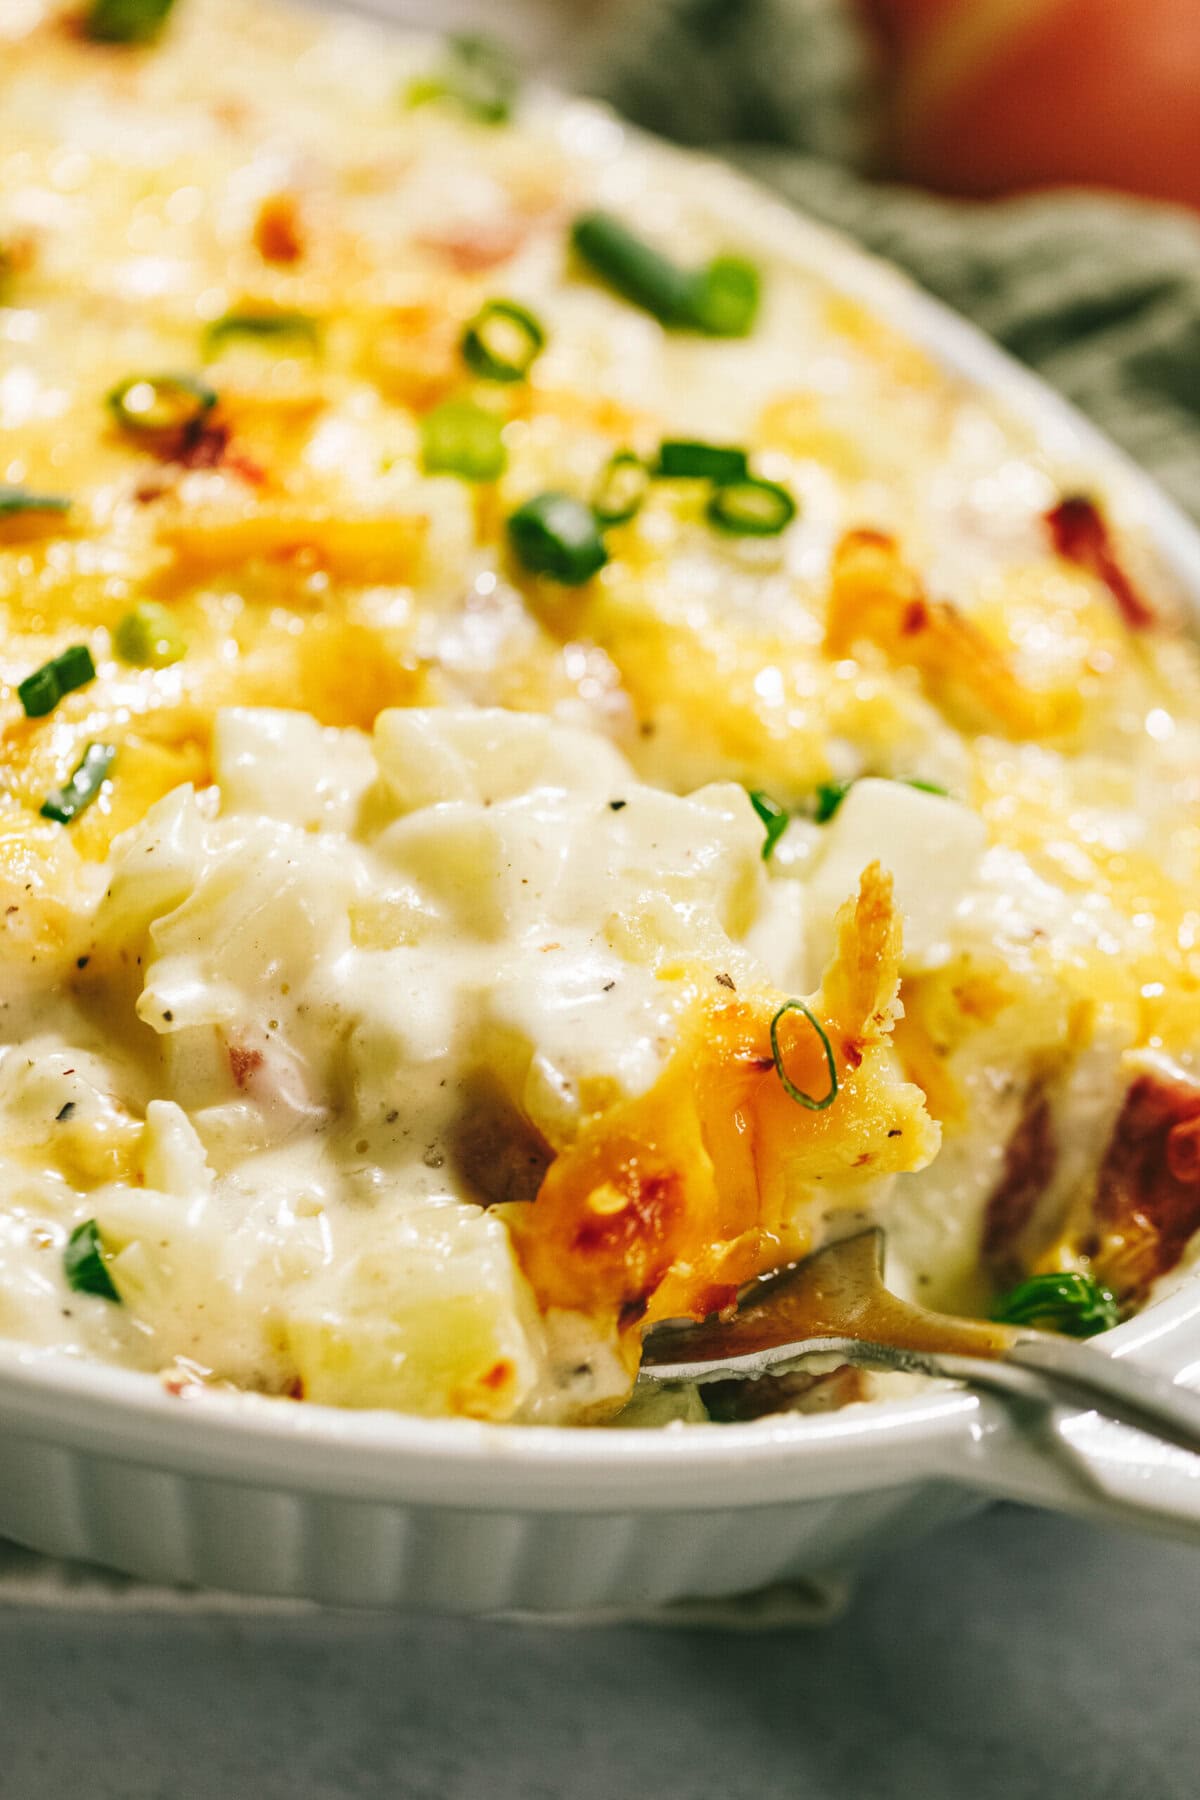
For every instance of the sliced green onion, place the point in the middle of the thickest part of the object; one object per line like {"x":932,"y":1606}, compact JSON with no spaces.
{"x":638,"y":272}
{"x":265,"y":325}
{"x":84,"y":1264}
{"x":725,"y":301}
{"x":126,"y":21}
{"x":555,"y":534}
{"x":477,"y":74}
{"x":67,"y":802}
{"x":926,"y":787}
{"x":795,"y":1093}
{"x":721,"y":299}
{"x":41,"y":692}
{"x":503,"y":341}
{"x":751,"y":508}
{"x":148,"y":637}
{"x":830,"y":795}
{"x":774,"y":818}
{"x":688,"y":458}
{"x":621,"y":489}
{"x":150,"y":405}
{"x":14,"y":500}
{"x":1073,"y":1304}
{"x":460,"y":438}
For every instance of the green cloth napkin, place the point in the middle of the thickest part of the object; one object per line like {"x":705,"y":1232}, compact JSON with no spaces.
{"x":1100,"y":294}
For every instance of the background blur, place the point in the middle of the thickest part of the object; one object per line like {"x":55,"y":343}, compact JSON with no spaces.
{"x":1036,"y":163}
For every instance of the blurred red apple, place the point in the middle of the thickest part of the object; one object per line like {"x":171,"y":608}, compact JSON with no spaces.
{"x":994,"y":95}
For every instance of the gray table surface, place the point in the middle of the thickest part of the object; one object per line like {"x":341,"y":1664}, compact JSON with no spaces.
{"x":1012,"y":1657}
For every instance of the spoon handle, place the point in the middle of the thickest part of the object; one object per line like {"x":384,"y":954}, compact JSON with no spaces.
{"x":1079,"y":1373}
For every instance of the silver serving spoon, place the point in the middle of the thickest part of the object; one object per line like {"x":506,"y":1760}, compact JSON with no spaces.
{"x":835,"y":1302}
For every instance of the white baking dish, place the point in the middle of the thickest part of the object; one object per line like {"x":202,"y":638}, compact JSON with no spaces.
{"x":272,"y":1497}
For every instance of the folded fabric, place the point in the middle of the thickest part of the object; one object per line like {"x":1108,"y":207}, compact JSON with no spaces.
{"x":1100,"y":294}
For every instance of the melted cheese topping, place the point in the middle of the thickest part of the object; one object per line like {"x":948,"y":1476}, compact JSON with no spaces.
{"x":400,"y":1011}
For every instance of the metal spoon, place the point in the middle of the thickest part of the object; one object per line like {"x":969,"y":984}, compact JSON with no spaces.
{"x":835,"y":1302}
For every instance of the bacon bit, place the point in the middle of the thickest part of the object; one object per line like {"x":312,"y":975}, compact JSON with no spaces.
{"x":149,"y":491}
{"x":250,"y":471}
{"x":1030,"y":1157}
{"x":244,"y":1063}
{"x":278,"y":237}
{"x":469,"y":249}
{"x":207,"y":446}
{"x":201,"y":446}
{"x":1081,"y":536}
{"x":1148,"y":1189}
{"x":499,"y":1376}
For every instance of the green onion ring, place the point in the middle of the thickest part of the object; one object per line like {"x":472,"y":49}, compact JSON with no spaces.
{"x":460,"y":438}
{"x":502,"y":342}
{"x":622,"y":488}
{"x":789,"y":1086}
{"x":554,"y":534}
{"x":157,"y":405}
{"x":751,"y":507}
{"x":262,"y":325}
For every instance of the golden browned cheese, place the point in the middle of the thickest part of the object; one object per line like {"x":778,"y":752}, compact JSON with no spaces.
{"x":401,"y":1008}
{"x":668,"y":1203}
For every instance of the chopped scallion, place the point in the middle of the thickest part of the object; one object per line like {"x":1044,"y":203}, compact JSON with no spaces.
{"x":476,"y":74}
{"x":621,"y":489}
{"x":555,"y":534}
{"x":830,"y":795}
{"x":14,"y":500}
{"x":773,"y":816}
{"x":721,"y":299}
{"x":154,"y":405}
{"x":266,"y":326}
{"x":503,"y":341}
{"x":460,"y":438}
{"x":126,"y":21}
{"x":1073,"y":1304}
{"x":690,"y":459}
{"x":926,"y":787}
{"x":751,"y":507}
{"x":797,"y":1093}
{"x":148,"y":637}
{"x":725,"y":302}
{"x":67,"y":802}
{"x":41,"y":692}
{"x":84,"y":1263}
